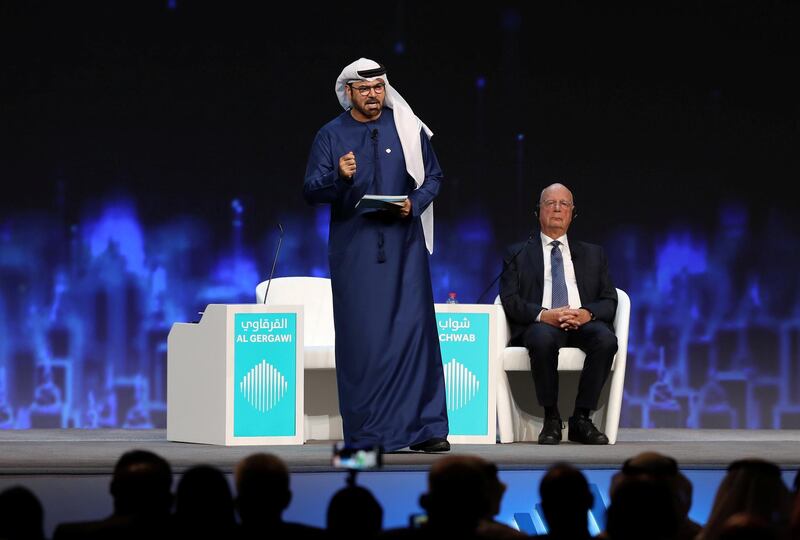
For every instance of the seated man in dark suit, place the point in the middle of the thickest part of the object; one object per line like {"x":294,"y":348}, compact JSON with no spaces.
{"x":141,"y":487}
{"x":558,"y":293}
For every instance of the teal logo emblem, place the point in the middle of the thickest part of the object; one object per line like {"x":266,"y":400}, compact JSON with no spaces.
{"x":461,"y":385}
{"x":464,"y":341}
{"x":264,"y":378}
{"x":263,"y":386}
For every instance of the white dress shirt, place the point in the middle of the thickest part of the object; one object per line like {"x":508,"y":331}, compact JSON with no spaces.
{"x":569,"y":274}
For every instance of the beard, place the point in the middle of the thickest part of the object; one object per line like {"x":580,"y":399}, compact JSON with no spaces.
{"x":369,"y":108}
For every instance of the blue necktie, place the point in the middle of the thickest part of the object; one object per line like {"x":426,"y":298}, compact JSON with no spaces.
{"x":560,"y":297}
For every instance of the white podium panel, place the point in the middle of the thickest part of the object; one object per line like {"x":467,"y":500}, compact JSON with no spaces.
{"x":236,"y":377}
{"x":468,"y":337}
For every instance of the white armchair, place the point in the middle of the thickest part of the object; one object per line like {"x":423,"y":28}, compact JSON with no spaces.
{"x":321,"y":418}
{"x":519,"y":416}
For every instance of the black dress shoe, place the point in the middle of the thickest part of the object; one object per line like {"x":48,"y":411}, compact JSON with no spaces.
{"x":436,"y":444}
{"x":582,"y":430}
{"x":551,"y":431}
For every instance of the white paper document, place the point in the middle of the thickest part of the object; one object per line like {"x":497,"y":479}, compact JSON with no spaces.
{"x":381,"y":201}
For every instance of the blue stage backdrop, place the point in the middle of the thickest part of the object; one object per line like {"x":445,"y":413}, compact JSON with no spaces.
{"x":150,"y":149}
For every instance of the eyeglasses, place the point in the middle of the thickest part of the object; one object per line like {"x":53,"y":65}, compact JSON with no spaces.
{"x":552,"y":204}
{"x":364,"y":90}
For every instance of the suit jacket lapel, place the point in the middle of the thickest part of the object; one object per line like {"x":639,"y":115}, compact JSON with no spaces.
{"x":579,"y":264}
{"x":536,"y":261}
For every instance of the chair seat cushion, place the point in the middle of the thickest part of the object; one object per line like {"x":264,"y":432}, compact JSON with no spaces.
{"x":517,"y":359}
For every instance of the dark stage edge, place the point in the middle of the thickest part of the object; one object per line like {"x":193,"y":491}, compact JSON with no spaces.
{"x":74,"y":451}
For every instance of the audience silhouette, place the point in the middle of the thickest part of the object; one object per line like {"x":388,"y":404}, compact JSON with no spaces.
{"x":662,"y":468}
{"x":650,"y":499}
{"x":642,"y":507}
{"x":754,"y":487}
{"x":566,"y":501}
{"x":744,"y":526}
{"x":141,"y":490}
{"x":495,"y":489}
{"x":456,"y":501}
{"x":354,"y":513}
{"x":262,"y":495}
{"x":794,"y":518}
{"x":204,"y":504}
{"x":21,"y":515}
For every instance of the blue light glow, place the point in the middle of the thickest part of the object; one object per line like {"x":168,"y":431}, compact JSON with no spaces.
{"x":85,"y":327}
{"x":118,"y":229}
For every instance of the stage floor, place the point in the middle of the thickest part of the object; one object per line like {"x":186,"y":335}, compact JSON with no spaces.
{"x":70,"y":470}
{"x":73,"y":451}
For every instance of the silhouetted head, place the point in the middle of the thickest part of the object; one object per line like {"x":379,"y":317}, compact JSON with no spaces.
{"x":752,"y":486}
{"x":662,"y":468}
{"x":651,"y":463}
{"x":203,"y":499}
{"x":565,"y":497}
{"x":262,"y":488}
{"x":642,"y":507}
{"x":141,"y":484}
{"x":457,"y":496}
{"x":21,"y":514}
{"x":794,"y":514}
{"x":353,"y":512}
{"x":495,"y":489}
{"x":743,"y":526}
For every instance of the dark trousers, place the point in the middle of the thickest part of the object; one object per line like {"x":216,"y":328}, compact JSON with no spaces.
{"x":595,"y":338}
